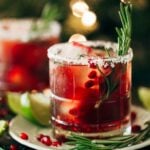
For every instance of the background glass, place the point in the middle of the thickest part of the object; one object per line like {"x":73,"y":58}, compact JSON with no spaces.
{"x":23,"y":54}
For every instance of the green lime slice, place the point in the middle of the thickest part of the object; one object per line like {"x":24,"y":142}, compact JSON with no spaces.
{"x":3,"y":126}
{"x":13,"y":101}
{"x":40,"y":106}
{"x":144,"y":95}
{"x":33,"y":106}
{"x":26,"y":109}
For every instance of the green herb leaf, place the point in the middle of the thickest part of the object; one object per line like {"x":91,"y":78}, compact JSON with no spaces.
{"x":82,"y":143}
{"x":124,"y":33}
{"x":50,"y":12}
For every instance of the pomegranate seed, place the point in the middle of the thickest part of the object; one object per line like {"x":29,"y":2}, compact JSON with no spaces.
{"x":13,"y":147}
{"x":24,"y":136}
{"x":89,"y":83}
{"x":133,"y":116}
{"x":92,"y":74}
{"x":46,"y":140}
{"x":136,"y":128}
{"x":56,"y":143}
{"x":40,"y":136}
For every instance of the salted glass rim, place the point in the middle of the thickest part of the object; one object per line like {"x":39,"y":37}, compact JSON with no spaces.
{"x":95,"y":59}
{"x":22,"y":29}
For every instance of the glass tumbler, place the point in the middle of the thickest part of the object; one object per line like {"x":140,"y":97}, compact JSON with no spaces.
{"x":23,"y":54}
{"x":90,"y":89}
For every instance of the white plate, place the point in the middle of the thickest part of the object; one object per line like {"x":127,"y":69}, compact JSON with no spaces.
{"x":19,"y":124}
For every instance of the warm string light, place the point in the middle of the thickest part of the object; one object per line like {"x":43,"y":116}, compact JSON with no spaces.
{"x":81,"y":9}
{"x":126,"y":1}
{"x":88,"y":18}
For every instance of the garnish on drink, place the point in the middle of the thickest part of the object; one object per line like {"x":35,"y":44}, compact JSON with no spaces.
{"x":48,"y":15}
{"x":81,"y":143}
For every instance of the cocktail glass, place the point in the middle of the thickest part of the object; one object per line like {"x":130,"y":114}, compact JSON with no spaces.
{"x":90,"y":89}
{"x":23,"y":53}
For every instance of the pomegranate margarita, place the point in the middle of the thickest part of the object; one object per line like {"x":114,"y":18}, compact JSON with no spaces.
{"x":23,"y":53}
{"x":90,"y":89}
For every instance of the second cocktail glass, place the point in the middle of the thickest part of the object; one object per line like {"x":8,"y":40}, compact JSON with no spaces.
{"x":23,"y":53}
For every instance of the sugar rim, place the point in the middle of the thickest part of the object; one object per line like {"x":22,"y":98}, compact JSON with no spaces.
{"x":93,"y":59}
{"x":53,"y":30}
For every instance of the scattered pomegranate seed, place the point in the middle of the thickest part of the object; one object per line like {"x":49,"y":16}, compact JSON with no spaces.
{"x":89,"y":49}
{"x":24,"y":136}
{"x":40,"y":136}
{"x":13,"y":147}
{"x":136,"y":128}
{"x":56,"y":143}
{"x":89,"y":83}
{"x":133,"y":116}
{"x":92,"y":74}
{"x":46,"y":140}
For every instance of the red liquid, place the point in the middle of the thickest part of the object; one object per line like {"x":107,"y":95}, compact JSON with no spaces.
{"x":77,"y":89}
{"x":25,"y":63}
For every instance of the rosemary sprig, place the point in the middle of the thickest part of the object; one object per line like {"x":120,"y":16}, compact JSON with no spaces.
{"x":82,"y":143}
{"x":124,"y":40}
{"x":49,"y":13}
{"x":104,"y":97}
{"x":124,"y":33}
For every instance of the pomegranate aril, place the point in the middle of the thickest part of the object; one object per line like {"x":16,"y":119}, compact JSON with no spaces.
{"x":13,"y":147}
{"x":136,"y":128}
{"x":56,"y":143}
{"x":133,"y":116}
{"x":40,"y":136}
{"x":92,"y":74}
{"x":89,"y":83}
{"x":24,"y":136}
{"x":46,"y":140}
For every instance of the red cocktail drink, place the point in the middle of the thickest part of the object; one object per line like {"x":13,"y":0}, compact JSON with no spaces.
{"x":23,"y":54}
{"x":90,"y":89}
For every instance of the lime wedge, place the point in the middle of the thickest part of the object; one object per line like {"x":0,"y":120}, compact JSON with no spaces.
{"x":26,"y":110}
{"x":33,"y":106}
{"x":144,"y":95}
{"x":3,"y":126}
{"x":13,"y":101}
{"x":40,"y":106}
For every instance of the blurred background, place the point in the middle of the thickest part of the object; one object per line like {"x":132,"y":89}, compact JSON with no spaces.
{"x":99,"y":23}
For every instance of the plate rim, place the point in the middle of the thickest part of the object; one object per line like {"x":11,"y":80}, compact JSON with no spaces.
{"x":37,"y":147}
